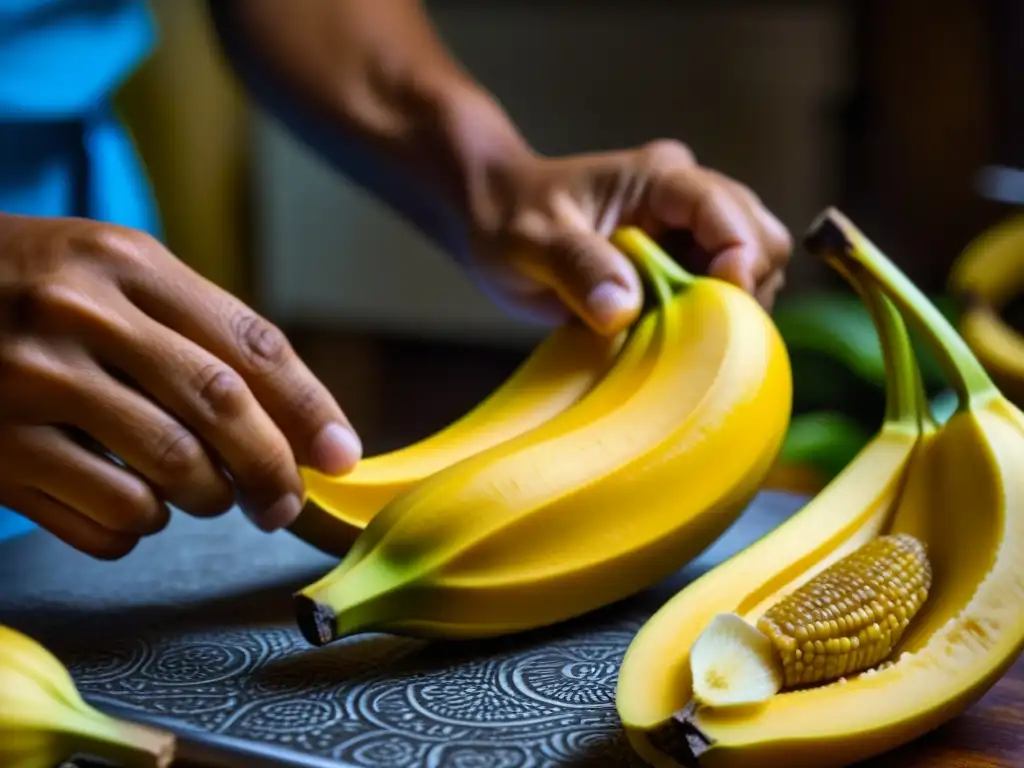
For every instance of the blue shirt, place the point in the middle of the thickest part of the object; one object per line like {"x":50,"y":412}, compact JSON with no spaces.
{"x":63,"y":152}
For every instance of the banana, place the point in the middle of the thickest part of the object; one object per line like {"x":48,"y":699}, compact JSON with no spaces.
{"x":986,"y":276}
{"x":562,"y":368}
{"x":991,"y":268}
{"x":44,"y":721}
{"x":962,"y":499}
{"x":599,"y":502}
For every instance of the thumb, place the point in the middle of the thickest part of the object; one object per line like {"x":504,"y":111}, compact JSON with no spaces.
{"x":595,"y":280}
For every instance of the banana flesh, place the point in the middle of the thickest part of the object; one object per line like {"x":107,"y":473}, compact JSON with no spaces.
{"x":962,"y":497}
{"x":556,"y":375}
{"x":595,"y":504}
{"x":733,"y":664}
{"x":44,"y":721}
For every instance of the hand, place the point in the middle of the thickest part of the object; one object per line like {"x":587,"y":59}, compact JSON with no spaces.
{"x":127,"y":382}
{"x":541,"y":236}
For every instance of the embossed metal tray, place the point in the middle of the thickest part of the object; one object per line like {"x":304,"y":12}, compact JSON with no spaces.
{"x":193,"y":631}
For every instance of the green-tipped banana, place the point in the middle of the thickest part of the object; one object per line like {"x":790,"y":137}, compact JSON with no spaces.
{"x":45,"y":722}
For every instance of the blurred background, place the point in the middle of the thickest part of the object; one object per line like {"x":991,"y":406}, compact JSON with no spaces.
{"x":890,"y":110}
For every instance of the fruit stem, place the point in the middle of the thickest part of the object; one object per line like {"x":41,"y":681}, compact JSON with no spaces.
{"x":648,"y":255}
{"x":92,"y":734}
{"x":904,"y":388}
{"x":833,"y":235}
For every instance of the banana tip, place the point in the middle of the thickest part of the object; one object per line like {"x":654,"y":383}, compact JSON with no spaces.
{"x":826,"y":234}
{"x":317,"y":622}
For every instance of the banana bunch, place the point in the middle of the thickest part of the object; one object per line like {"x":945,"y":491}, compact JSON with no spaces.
{"x":557,"y":374}
{"x":45,"y":722}
{"x":886,"y":606}
{"x":601,"y":500}
{"x":986,"y":277}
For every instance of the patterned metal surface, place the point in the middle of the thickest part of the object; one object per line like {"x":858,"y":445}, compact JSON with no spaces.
{"x":193,"y":630}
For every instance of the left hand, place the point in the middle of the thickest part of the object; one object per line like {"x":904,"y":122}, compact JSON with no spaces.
{"x":541,"y":241}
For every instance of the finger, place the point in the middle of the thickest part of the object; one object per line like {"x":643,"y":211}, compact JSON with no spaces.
{"x":217,"y":405}
{"x":319,"y":433}
{"x":695,"y":200}
{"x":592,"y":278}
{"x":768,"y":290}
{"x":149,"y":440}
{"x":50,"y":461}
{"x":71,"y":527}
{"x":57,"y":383}
{"x":775,"y":236}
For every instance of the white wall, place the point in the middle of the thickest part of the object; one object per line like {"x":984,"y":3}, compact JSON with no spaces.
{"x":748,"y":87}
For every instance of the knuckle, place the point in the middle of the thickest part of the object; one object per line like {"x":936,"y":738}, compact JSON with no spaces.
{"x":783,"y":250}
{"x":669,"y":152}
{"x":58,"y":305}
{"x":222,"y":391}
{"x":37,"y":304}
{"x":747,"y":192}
{"x":117,"y":245}
{"x":178,"y":453}
{"x":25,"y":363}
{"x":262,"y":343}
{"x":148,"y":514}
{"x":529,"y":225}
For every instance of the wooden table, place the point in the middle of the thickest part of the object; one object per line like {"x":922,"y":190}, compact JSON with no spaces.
{"x":193,"y":631}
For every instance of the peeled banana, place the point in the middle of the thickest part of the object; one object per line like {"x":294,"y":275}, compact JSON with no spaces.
{"x":988,"y":274}
{"x":45,"y":722}
{"x":560,"y":370}
{"x":954,"y":488}
{"x":599,"y":502}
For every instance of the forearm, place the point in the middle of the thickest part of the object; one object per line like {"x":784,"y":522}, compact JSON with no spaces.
{"x":369,"y":85}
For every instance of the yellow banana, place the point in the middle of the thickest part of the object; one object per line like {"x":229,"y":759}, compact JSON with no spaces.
{"x":963,"y":500}
{"x":991,"y":268}
{"x":44,"y":721}
{"x":598,"y":503}
{"x":561,"y":369}
{"x":988,"y":274}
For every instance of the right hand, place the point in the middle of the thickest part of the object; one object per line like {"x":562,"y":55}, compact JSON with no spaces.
{"x":128,"y":381}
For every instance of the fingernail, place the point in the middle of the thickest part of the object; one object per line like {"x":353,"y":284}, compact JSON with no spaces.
{"x":280,"y":514}
{"x":335,"y":450}
{"x":608,"y":302}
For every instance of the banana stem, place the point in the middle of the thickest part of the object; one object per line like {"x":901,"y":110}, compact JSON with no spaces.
{"x":903,"y":385}
{"x":130,"y":745}
{"x":648,"y":255}
{"x":834,"y":236}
